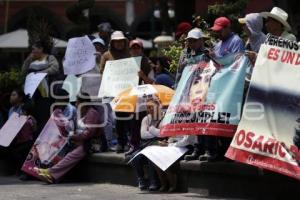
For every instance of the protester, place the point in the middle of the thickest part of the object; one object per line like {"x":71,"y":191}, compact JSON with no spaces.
{"x":229,"y":41}
{"x":149,"y":134}
{"x":84,"y":132}
{"x":118,"y":49}
{"x":17,"y":99}
{"x":137,"y":49}
{"x":276,"y":23}
{"x":21,"y":145}
{"x":100,"y":49}
{"x":162,"y":76}
{"x":252,"y":26}
{"x":181,"y":32}
{"x":195,"y":47}
{"x":40,"y":60}
{"x":105,"y":32}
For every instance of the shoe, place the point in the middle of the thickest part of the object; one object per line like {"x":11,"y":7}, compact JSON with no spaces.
{"x":44,"y":175}
{"x":172,"y":189}
{"x":24,"y":177}
{"x":163,"y":188}
{"x":193,"y":156}
{"x":153,"y":187}
{"x":208,"y":157}
{"x":142,"y":184}
{"x":130,"y":151}
{"x":119,"y":148}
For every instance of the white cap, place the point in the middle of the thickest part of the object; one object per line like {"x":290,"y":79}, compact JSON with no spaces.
{"x":118,"y":35}
{"x":195,"y":33}
{"x":98,"y":40}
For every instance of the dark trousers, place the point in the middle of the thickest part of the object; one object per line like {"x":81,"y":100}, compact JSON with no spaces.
{"x":139,"y":164}
{"x":206,"y":143}
{"x":129,"y":123}
{"x":16,"y":154}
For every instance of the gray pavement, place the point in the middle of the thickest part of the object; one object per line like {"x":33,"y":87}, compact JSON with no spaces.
{"x":13,"y":189}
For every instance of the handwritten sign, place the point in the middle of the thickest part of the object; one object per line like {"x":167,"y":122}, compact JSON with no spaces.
{"x":32,"y":82}
{"x":119,"y":75}
{"x":11,"y":129}
{"x":80,"y":56}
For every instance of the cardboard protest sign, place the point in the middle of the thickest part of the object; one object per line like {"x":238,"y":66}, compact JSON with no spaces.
{"x":80,"y":56}
{"x":119,"y":75}
{"x":207,"y":100}
{"x":162,"y":157}
{"x":11,"y":129}
{"x":91,"y":82}
{"x":50,"y":147}
{"x":32,"y":82}
{"x":268,"y":135}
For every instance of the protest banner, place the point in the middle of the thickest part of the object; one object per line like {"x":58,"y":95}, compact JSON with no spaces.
{"x":72,"y":85}
{"x":11,"y":128}
{"x":208,"y":98}
{"x":50,"y":147}
{"x":80,"y":56}
{"x":119,"y":75}
{"x":32,"y":82}
{"x":268,"y":135}
{"x":162,"y":157}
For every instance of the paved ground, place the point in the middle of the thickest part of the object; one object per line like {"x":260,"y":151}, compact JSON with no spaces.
{"x":13,"y":189}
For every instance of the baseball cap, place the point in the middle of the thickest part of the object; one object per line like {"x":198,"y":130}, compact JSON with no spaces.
{"x":195,"y":33}
{"x":220,"y":23}
{"x":136,"y":42}
{"x":182,"y":28}
{"x":98,"y":40}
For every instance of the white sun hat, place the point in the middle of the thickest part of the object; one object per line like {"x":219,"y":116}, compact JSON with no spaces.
{"x":195,"y":33}
{"x":279,"y":15}
{"x":118,"y":35}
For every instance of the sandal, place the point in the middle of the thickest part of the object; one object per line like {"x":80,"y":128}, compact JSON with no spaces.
{"x":44,"y":175}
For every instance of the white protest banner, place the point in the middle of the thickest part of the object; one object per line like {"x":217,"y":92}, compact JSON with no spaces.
{"x":268,"y":135}
{"x":32,"y":82}
{"x":72,"y":85}
{"x":11,"y":128}
{"x":162,"y":157}
{"x":119,"y":75}
{"x":80,"y":56}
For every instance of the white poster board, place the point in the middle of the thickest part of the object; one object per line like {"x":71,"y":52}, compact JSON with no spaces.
{"x":72,"y":85}
{"x":80,"y":56}
{"x":11,"y":128}
{"x":162,"y":157}
{"x":32,"y":82}
{"x":119,"y":75}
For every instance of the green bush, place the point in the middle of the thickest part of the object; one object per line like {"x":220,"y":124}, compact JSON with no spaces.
{"x":10,"y":80}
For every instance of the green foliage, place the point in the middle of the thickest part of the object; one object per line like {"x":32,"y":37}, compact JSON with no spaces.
{"x":231,"y":9}
{"x":10,"y":80}
{"x":173,"y":53}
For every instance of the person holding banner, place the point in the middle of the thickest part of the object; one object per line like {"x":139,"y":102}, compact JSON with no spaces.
{"x":229,"y":41}
{"x":276,"y":23}
{"x":41,"y":61}
{"x":149,"y":135}
{"x":195,"y":47}
{"x":87,"y":128}
{"x":20,"y":146}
